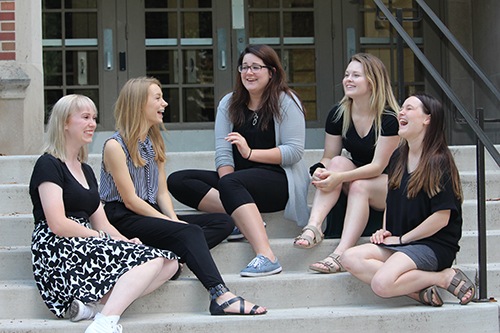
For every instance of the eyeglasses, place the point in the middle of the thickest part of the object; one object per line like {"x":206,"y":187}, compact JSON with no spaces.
{"x":254,"y":68}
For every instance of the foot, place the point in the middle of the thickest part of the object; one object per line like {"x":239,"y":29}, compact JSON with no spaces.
{"x":430,"y":296}
{"x":330,"y":264}
{"x":81,"y":311}
{"x":235,"y":307}
{"x":104,"y":324}
{"x":261,"y":266}
{"x":460,"y":285}
{"x":308,"y":238}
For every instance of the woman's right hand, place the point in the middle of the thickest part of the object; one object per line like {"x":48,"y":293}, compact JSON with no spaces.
{"x":379,"y":236}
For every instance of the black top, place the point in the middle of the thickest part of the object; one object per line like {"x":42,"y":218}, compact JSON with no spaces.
{"x":256,"y":139}
{"x":403,"y":215}
{"x":78,"y":201}
{"x":361,"y":149}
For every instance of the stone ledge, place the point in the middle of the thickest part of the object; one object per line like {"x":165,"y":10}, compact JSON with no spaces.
{"x":13,"y":81}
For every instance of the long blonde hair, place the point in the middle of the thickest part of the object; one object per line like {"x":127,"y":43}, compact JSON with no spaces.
{"x":131,"y":120}
{"x":381,"y":99}
{"x":55,"y":141}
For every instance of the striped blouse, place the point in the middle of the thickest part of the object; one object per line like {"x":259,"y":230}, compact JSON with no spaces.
{"x":145,"y":179}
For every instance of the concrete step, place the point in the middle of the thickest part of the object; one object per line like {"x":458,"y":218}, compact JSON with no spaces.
{"x":16,"y":229}
{"x":231,"y":257}
{"x":376,"y":318}
{"x":15,"y":199}
{"x":287,"y":290}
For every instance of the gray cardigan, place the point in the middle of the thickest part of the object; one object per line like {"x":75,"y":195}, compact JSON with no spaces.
{"x":290,"y":139}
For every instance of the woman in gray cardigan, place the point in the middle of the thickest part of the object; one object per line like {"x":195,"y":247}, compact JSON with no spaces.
{"x":259,"y":141}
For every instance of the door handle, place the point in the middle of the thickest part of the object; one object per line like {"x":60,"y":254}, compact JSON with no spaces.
{"x":222,"y":47}
{"x":108,"y":49}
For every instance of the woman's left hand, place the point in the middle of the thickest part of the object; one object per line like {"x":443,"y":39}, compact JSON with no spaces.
{"x":326,"y":180}
{"x":237,"y":139}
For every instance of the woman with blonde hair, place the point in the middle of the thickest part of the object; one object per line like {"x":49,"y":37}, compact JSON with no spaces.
{"x":134,"y":188}
{"x":365,"y":124}
{"x":78,"y":257}
{"x":413,"y":252}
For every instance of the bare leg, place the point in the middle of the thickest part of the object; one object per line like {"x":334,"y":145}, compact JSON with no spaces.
{"x":137,"y":282}
{"x":324,"y":201}
{"x":363,"y":193}
{"x":211,"y":202}
{"x":248,"y":219}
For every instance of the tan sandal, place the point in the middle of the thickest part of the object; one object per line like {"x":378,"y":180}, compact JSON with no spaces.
{"x":331,"y":265}
{"x":460,"y":285}
{"x":312,"y":242}
{"x":429,"y":293}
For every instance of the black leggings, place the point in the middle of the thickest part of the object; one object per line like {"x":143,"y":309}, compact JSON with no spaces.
{"x":268,"y":189}
{"x":192,"y":242}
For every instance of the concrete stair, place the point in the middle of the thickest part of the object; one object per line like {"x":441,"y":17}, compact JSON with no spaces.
{"x":297,"y":300}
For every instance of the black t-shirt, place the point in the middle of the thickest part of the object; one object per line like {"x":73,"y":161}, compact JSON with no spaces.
{"x":78,"y":201}
{"x":361,"y":149}
{"x":403,"y":215}
{"x":256,"y":139}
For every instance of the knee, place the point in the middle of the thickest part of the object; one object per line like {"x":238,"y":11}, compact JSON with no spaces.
{"x":381,"y":286}
{"x":176,"y":179}
{"x":338,"y":163}
{"x":228,"y":182}
{"x":358,"y":187}
{"x":351,"y":259}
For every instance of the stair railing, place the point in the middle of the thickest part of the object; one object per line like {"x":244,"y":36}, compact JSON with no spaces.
{"x":482,"y":139}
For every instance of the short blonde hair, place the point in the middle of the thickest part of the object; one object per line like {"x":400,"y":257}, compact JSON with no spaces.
{"x":131,"y":120}
{"x":382,"y":96}
{"x":55,"y":141}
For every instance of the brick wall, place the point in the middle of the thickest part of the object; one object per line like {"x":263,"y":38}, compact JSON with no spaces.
{"x":7,"y":30}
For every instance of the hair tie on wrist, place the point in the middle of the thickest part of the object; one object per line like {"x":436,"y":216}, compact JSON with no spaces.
{"x":400,"y":241}
{"x":250,"y":154}
{"x":315,"y":166}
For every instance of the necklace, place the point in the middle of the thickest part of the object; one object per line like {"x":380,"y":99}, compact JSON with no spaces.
{"x":255,"y":118}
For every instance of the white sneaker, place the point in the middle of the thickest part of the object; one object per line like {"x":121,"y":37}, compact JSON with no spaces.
{"x":103,"y":324}
{"x":80,"y":311}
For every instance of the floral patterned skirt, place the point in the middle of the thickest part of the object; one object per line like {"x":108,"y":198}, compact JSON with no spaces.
{"x":83,"y":268}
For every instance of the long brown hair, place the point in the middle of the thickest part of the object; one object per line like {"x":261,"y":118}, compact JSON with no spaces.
{"x":382,"y":96}
{"x":131,"y":120}
{"x":270,"y":102}
{"x":436,"y":160}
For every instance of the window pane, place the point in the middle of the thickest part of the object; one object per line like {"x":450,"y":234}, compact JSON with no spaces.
{"x":80,"y":3}
{"x":162,"y":65}
{"x":81,"y":25}
{"x":198,"y":66}
{"x":308,"y":96}
{"x":52,"y":68}
{"x":298,"y":24}
{"x":196,"y":3}
{"x":51,"y":26}
{"x":81,"y":68}
{"x":51,"y":97}
{"x":265,"y":24}
{"x":161,"y":25}
{"x":298,"y":3}
{"x":263,"y":3}
{"x":171,"y":114}
{"x":199,"y":105}
{"x":301,"y":65}
{"x":51,"y":4}
{"x":197,"y":25}
{"x":161,"y":4}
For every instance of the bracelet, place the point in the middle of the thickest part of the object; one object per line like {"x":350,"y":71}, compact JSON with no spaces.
{"x":217,"y":291}
{"x":250,"y":154}
{"x":400,"y":241}
{"x":315,"y":166}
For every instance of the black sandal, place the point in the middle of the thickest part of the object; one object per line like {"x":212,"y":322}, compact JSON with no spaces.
{"x":218,"y":309}
{"x":177,"y":274}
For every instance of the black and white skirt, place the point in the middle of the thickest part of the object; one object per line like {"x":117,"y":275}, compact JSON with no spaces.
{"x":67,"y":268}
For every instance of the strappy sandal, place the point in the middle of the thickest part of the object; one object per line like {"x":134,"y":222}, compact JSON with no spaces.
{"x":461,"y":278}
{"x":312,"y":242}
{"x":429,"y":293}
{"x":331,"y":267}
{"x":178,"y":273}
{"x":218,"y":309}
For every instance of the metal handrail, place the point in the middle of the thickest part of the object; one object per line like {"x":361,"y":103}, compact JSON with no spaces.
{"x":481,"y":135}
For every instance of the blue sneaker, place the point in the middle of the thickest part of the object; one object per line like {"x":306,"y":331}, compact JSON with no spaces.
{"x":261,"y":266}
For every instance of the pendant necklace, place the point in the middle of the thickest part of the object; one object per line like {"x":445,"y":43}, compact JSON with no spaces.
{"x":255,"y":118}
